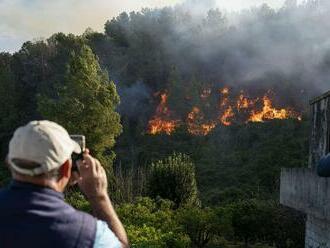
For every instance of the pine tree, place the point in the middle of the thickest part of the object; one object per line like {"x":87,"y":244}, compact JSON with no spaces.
{"x":8,"y":95}
{"x":86,"y":103}
{"x":9,"y":113}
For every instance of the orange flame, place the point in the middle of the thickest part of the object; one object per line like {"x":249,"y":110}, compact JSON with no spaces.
{"x":197,"y":125}
{"x":228,"y":113}
{"x":225,"y":119}
{"x":268,"y":112}
{"x":241,"y":109}
{"x":224,"y":91}
{"x":244,"y":102}
{"x":162,"y":122}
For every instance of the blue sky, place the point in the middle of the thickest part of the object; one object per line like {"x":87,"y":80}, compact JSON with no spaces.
{"x":23,"y":20}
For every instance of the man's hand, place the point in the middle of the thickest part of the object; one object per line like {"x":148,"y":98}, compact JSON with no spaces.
{"x":93,"y":183}
{"x":93,"y":180}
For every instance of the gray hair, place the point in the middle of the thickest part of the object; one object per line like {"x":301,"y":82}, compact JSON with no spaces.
{"x":25,"y":164}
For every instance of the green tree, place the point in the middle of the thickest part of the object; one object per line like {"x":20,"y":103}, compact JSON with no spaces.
{"x":8,"y":111}
{"x":289,"y":227}
{"x":8,"y":94}
{"x":174,"y":178}
{"x":252,"y":220}
{"x":117,"y":29}
{"x":203,"y":225}
{"x":85,"y":103}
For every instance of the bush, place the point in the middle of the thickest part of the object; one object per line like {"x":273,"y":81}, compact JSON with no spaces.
{"x":204,"y":225}
{"x":75,"y":198}
{"x":151,"y":223}
{"x":174,"y":178}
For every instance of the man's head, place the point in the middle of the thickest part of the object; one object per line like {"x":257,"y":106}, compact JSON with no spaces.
{"x":40,"y":153}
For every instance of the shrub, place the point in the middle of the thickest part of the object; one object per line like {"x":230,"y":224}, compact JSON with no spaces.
{"x":174,"y":178}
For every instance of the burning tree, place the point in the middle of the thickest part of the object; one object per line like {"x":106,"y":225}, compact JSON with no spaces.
{"x":231,"y":108}
{"x":162,"y":120}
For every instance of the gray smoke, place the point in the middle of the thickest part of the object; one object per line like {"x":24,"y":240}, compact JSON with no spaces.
{"x":134,"y":99}
{"x":286,"y":49}
{"x":291,"y":42}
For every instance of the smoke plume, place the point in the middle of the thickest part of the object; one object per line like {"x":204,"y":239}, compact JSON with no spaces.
{"x":248,"y":46}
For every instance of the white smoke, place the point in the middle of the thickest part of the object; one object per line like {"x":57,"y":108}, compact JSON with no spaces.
{"x":289,"y":40}
{"x":23,"y":20}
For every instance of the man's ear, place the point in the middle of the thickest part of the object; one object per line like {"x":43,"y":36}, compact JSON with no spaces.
{"x":66,"y":169}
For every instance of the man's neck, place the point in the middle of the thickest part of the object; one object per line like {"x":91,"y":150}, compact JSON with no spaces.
{"x":40,"y":181}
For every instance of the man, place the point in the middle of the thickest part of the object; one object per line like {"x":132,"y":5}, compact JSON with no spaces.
{"x":32,"y":208}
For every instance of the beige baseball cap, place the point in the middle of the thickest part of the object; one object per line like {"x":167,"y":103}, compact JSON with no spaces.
{"x":43,"y":142}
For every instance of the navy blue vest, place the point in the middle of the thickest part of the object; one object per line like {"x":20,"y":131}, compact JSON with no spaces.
{"x":33,"y":216}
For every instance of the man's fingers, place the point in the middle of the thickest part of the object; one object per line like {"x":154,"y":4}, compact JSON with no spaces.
{"x":81,"y":166}
{"x":101,"y":169}
{"x":98,"y":166}
{"x":84,"y":167}
{"x":75,"y":177}
{"x":88,"y":166}
{"x":104,"y":175}
{"x":92,"y":180}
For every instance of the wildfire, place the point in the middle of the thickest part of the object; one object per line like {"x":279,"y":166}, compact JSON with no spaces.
{"x":241,"y":109}
{"x":162,"y":122}
{"x":270,"y":113}
{"x":244,"y":102}
{"x":224,"y":91}
{"x":225,"y":118}
{"x":206,"y":93}
{"x":197,"y":125}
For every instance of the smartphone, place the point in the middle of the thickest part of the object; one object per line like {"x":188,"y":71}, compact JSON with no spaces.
{"x":81,"y":140}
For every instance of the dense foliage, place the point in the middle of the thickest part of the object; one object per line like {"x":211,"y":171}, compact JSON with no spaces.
{"x":236,"y":162}
{"x":85,"y":103}
{"x":60,"y":80}
{"x":174,"y":178}
{"x":152,"y":223}
{"x":157,"y":223}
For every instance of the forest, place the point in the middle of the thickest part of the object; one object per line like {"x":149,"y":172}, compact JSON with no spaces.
{"x":193,"y":115}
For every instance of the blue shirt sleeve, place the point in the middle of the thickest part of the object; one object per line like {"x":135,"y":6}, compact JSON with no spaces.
{"x":323,"y":169}
{"x":105,"y":238}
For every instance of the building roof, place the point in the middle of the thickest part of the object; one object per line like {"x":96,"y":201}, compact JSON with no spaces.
{"x":319,"y":98}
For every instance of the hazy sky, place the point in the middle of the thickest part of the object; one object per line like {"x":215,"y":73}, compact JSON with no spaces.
{"x":22,"y":20}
